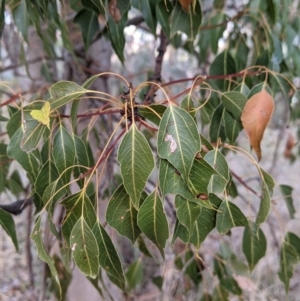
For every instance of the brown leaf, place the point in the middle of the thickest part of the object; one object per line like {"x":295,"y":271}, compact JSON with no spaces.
{"x":290,"y":142}
{"x":185,"y":4}
{"x":114,"y":10}
{"x":255,"y":117}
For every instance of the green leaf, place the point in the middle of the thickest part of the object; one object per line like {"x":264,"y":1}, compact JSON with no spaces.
{"x":33,"y":132}
{"x":200,"y":176}
{"x":85,"y":248}
{"x":14,"y":183}
{"x":231,"y":285}
{"x":187,"y":213}
{"x":64,"y":92}
{"x":178,"y":140}
{"x":234,"y":103}
{"x":217,"y":32}
{"x":116,"y":36}
{"x":294,"y":241}
{"x":27,"y":160}
{"x":205,"y":222}
{"x":14,"y":123}
{"x":47,"y":175}
{"x":265,"y":203}
{"x":188,"y":105}
{"x":229,"y":216}
{"x":288,"y":259}
{"x":134,"y":274}
{"x":97,"y":6}
{"x":232,"y":127}
{"x":8,"y":225}
{"x":108,"y":256}
{"x":3,"y":119}
{"x":218,"y":162}
{"x":4,"y":165}
{"x":223,"y":64}
{"x":63,"y":153}
{"x":121,"y":214}
{"x":36,"y":236}
{"x":216,"y":129}
{"x":136,"y":162}
{"x":21,"y":18}
{"x":81,"y":157}
{"x":88,"y":22}
{"x":163,"y":13}
{"x":171,"y":182}
{"x":287,"y":192}
{"x":152,"y":221}
{"x":77,"y":206}
{"x":148,"y":12}
{"x":254,"y":244}
{"x":187,"y":23}
{"x":220,"y":294}
{"x":148,"y":113}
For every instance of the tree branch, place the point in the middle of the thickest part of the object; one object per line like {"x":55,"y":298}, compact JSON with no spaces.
{"x":158,"y":66}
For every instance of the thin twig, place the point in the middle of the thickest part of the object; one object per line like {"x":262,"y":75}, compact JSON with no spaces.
{"x":244,"y":183}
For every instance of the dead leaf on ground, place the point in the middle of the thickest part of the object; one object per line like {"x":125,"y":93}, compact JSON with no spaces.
{"x":255,"y":117}
{"x":290,"y":142}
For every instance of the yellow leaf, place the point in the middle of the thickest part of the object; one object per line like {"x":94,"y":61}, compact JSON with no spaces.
{"x":42,"y":115}
{"x":255,"y":117}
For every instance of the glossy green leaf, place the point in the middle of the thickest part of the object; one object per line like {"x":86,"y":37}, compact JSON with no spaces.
{"x":229,"y":216}
{"x":64,"y":92}
{"x":163,"y":11}
{"x":14,"y":183}
{"x":136,"y":162}
{"x":134,"y":274}
{"x":178,"y":139}
{"x":88,"y":22}
{"x":85,"y":248}
{"x":288,"y":259}
{"x":265,"y":203}
{"x":216,"y":129}
{"x":116,"y":35}
{"x":63,"y":153}
{"x":187,"y":23}
{"x":108,"y":256}
{"x":152,"y":221}
{"x":14,"y":123}
{"x":8,"y":225}
{"x":36,"y":236}
{"x":223,"y":64}
{"x":287,"y":192}
{"x":187,"y":213}
{"x":27,"y":160}
{"x":232,"y":127}
{"x":122,"y":215}
{"x":234,"y":103}
{"x":254,"y":244}
{"x":77,"y":206}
